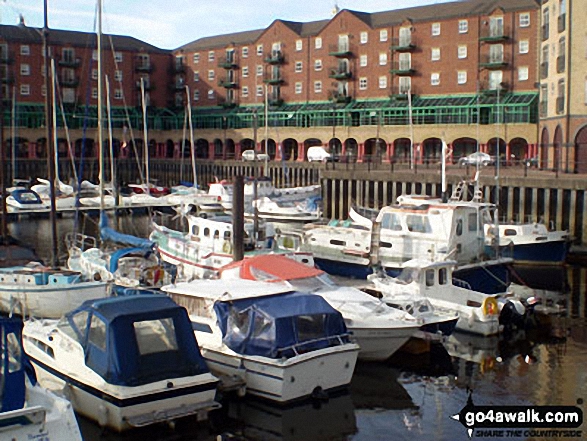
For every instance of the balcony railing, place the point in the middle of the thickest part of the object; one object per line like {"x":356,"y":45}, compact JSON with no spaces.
{"x":273,"y":79}
{"x":69,"y":62}
{"x":68,"y":81}
{"x":403,"y":44}
{"x":275,"y":57}
{"x":340,"y":50}
{"x":494,"y":34}
{"x":227,"y":83}
{"x":6,"y":57}
{"x":227,"y":62}
{"x":494,"y":61}
{"x":340,"y":74}
{"x":543,"y":70}
{"x":148,"y":86}
{"x":402,"y":92}
{"x":560,"y":63}
{"x":490,"y":88}
{"x":274,"y":101}
{"x":402,"y":68}
{"x":144,"y":67}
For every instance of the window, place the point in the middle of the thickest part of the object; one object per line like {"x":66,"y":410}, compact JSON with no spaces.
{"x":117,"y":75}
{"x":462,"y":51}
{"x":299,"y":45}
{"x":155,"y":336}
{"x":383,"y":35}
{"x":118,"y":57}
{"x":196,"y":76}
{"x":25,"y":90}
{"x":211,"y":56}
{"x":245,"y":71}
{"x":463,"y":26}
{"x":364,"y":37}
{"x":435,"y":79}
{"x":299,"y":66}
{"x":363,"y":60}
{"x":405,"y":85}
{"x":259,"y":70}
{"x":435,"y":54}
{"x":259,"y":91}
{"x":211,"y":75}
{"x":435,"y":29}
{"x":118,"y":94}
{"x":383,"y":82}
{"x":25,"y":50}
{"x":211,"y":94}
{"x":318,"y":43}
{"x":418,"y":224}
{"x":524,"y":20}
{"x":196,"y":95}
{"x":317,"y":64}
{"x":462,"y":77}
{"x":298,"y":88}
{"x":430,"y":277}
{"x":523,"y":73}
{"x":524,"y":46}
{"x":94,"y":74}
{"x":97,"y":335}
{"x":317,"y":86}
{"x":260,"y":49}
{"x":25,"y":69}
{"x":363,"y":83}
{"x":245,"y":92}
{"x":196,"y":57}
{"x":245,"y":52}
{"x":383,"y":58}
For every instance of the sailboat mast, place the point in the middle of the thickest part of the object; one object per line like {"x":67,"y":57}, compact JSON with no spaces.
{"x":192,"y":146}
{"x":146,"y":141}
{"x":266,"y":172}
{"x":100,"y":110}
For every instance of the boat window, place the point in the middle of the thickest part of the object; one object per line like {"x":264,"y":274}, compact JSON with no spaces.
{"x":459,"y":229}
{"x":216,"y":234}
{"x":418,"y":224}
{"x":341,"y":243}
{"x":262,"y":326}
{"x":202,"y":327}
{"x":238,"y":321}
{"x":310,"y":327}
{"x":443,"y":276}
{"x":207,"y":232}
{"x":14,"y":352}
{"x":227,"y":235}
{"x":509,"y":232}
{"x":391,"y":221}
{"x":97,"y":333}
{"x":155,"y":336}
{"x":195,"y":230}
{"x":430,"y":277}
{"x":408,"y":275}
{"x":473,"y":226}
{"x":77,"y":329}
{"x":42,"y":346}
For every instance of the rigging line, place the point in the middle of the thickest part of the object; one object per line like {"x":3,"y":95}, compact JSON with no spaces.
{"x":59,"y":98}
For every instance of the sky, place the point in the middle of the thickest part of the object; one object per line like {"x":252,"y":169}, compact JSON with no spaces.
{"x":169,"y":24}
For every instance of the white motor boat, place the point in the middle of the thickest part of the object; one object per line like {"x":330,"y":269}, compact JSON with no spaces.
{"x":28,"y":411}
{"x":285,"y":345}
{"x":306,"y":210}
{"x":124,"y":362}
{"x":42,"y":292}
{"x":479,"y":313}
{"x":378,"y":329}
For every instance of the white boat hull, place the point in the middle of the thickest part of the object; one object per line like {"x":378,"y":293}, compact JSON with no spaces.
{"x":286,"y":380}
{"x":378,"y":344}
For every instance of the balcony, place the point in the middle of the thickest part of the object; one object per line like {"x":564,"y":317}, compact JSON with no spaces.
{"x":144,"y":67}
{"x":493,"y":61}
{"x":494,"y":34}
{"x":274,"y":57}
{"x":404,"y":44}
{"x":340,"y":50}
{"x":274,"y":101}
{"x":402,"y":68}
{"x":545,"y":31}
{"x":340,"y":74}
{"x":148,"y":86}
{"x":562,"y":22}
{"x":179,"y":68}
{"x":401,"y":93}
{"x":226,"y":103}
{"x":543,"y":70}
{"x":490,"y":88}
{"x":560,"y":63}
{"x":273,"y":79}
{"x":69,"y":62}
{"x":6,"y":57}
{"x":7,"y":79}
{"x":228,"y":62}
{"x":227,"y":83}
{"x":560,"y":105}
{"x":68,"y":82}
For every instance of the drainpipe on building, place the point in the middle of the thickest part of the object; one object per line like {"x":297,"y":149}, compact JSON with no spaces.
{"x":568,"y":49}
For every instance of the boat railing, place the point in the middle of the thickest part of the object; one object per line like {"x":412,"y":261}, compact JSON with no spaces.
{"x":80,"y":241}
{"x":298,"y":348}
{"x":461,"y":283}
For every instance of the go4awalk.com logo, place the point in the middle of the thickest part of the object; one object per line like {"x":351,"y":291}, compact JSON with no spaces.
{"x":518,"y":421}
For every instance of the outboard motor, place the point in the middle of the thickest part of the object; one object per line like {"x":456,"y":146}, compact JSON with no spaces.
{"x":512,"y":314}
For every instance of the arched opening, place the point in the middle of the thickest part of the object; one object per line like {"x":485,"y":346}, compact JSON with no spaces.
{"x":375,"y":150}
{"x":185,"y":148}
{"x":17,"y":147}
{"x":169,"y":149}
{"x":311,"y":142}
{"x":432,"y":148}
{"x":351,"y":150}
{"x":518,"y":150}
{"x":496,"y":148}
{"x":41,"y":149}
{"x":202,"y":148}
{"x":84,"y":148}
{"x":271,"y":147}
{"x":402,"y":150}
{"x":230,"y":150}
{"x":544,"y":148}
{"x":581,"y":151}
{"x":290,"y":149}
{"x":557,"y":147}
{"x":218,"y":149}
{"x":335,"y":148}
{"x":462,"y":147}
{"x":62,"y":148}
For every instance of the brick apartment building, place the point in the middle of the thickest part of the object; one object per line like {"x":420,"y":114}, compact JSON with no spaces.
{"x":369,"y":86}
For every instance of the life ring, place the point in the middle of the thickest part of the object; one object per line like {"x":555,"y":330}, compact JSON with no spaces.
{"x":490,"y":306}
{"x":227,"y":247}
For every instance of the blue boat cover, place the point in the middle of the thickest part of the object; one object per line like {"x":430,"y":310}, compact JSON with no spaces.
{"x":107,"y":233}
{"x":280,"y":325}
{"x":14,"y":364}
{"x":119,"y":254}
{"x":136,"y":340}
{"x":33,"y":198}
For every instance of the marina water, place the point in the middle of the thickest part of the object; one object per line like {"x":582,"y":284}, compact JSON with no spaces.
{"x":409,"y":397}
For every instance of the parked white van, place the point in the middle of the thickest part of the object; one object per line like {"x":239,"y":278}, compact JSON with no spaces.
{"x":318,"y":154}
{"x":249,"y":155}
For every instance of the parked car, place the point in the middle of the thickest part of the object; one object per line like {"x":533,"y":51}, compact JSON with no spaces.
{"x":477,"y":158}
{"x":532,"y":162}
{"x":318,"y":154}
{"x":249,"y":155}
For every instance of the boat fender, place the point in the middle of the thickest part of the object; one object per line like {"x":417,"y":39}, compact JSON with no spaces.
{"x":490,"y":306}
{"x":227,"y":247}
